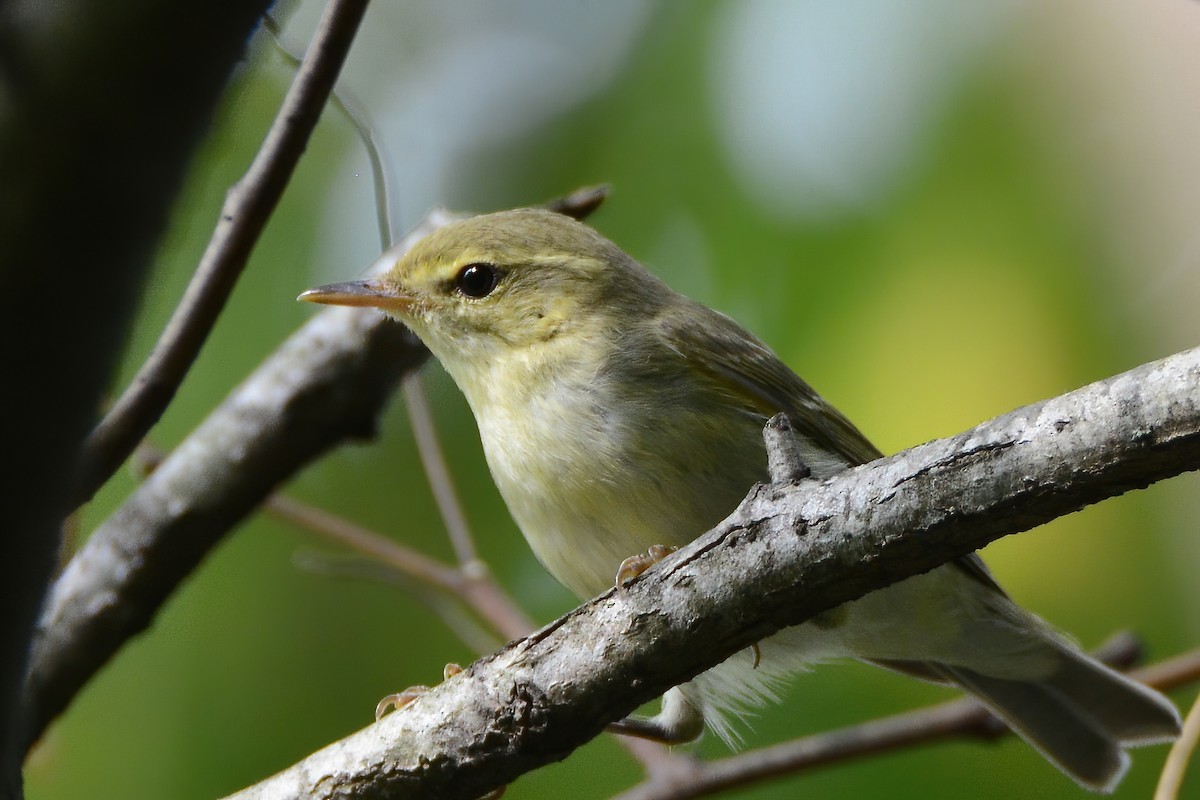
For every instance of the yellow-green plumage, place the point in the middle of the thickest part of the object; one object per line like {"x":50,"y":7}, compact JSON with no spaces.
{"x":617,"y":414}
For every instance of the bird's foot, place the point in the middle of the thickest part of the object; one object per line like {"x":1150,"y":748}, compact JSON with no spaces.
{"x":399,"y":700}
{"x":635,"y":565}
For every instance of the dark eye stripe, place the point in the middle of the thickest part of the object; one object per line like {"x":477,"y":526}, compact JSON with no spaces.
{"x":477,"y":280}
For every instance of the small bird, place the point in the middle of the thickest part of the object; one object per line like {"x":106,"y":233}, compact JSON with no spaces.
{"x":619,"y":417}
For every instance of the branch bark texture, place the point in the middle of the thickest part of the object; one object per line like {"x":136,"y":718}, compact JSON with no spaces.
{"x":788,"y":552}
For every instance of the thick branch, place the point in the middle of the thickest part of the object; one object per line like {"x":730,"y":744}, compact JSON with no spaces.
{"x":101,"y":105}
{"x":789,"y":552}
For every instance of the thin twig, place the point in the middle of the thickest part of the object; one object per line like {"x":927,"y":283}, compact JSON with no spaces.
{"x":449,"y":608}
{"x":942,"y":722}
{"x":1170,"y":782}
{"x":581,"y":202}
{"x":478,"y":588}
{"x":947,"y":720}
{"x":482,"y":592}
{"x":385,"y":217}
{"x":492,"y":605}
{"x":367,"y":542}
{"x":247,"y":207}
{"x":474,"y":577}
{"x":432,"y":459}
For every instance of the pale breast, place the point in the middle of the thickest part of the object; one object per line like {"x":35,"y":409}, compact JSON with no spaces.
{"x":595,"y":475}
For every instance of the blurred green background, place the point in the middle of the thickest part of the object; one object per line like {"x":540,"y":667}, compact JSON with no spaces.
{"x":935,"y":212}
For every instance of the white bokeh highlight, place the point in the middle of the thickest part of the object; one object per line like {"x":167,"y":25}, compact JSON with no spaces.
{"x":822,"y":106}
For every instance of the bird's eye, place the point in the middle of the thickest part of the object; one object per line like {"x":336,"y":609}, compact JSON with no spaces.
{"x":477,"y":280}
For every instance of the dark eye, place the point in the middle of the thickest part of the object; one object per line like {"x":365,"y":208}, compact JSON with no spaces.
{"x":476,"y":280}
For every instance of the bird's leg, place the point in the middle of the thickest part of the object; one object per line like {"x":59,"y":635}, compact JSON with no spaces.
{"x":635,"y":565}
{"x":399,"y":700}
{"x":678,"y":722}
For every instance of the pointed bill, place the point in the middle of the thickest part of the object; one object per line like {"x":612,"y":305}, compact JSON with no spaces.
{"x":373,"y":292}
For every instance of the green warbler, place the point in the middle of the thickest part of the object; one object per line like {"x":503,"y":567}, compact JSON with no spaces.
{"x":618,"y":416}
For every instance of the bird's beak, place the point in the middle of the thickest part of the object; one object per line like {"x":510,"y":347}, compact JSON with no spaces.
{"x":374,"y":293}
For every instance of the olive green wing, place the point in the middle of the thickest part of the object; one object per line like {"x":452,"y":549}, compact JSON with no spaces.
{"x":753,"y":376}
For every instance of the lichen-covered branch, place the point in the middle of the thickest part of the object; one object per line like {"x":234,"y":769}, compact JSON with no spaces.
{"x":539,"y":698}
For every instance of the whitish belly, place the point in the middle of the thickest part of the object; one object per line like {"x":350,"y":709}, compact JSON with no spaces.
{"x":591,"y":489}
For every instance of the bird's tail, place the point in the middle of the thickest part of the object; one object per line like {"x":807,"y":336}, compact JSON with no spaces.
{"x":1081,"y":717}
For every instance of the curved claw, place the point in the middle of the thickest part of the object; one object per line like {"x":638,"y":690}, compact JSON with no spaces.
{"x":635,"y":565}
{"x":397,"y":701}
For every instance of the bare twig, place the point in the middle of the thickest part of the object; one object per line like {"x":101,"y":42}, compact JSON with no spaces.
{"x":381,"y":175}
{"x":247,"y":207}
{"x":536,"y":700}
{"x":954,"y":719}
{"x":498,"y":609}
{"x":784,"y":463}
{"x":454,"y":614}
{"x":1170,"y":782}
{"x":580,"y":203}
{"x":1171,"y":673}
{"x":369,"y":543}
{"x":472,"y":579}
{"x":420,"y":417}
{"x":480,"y":588}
